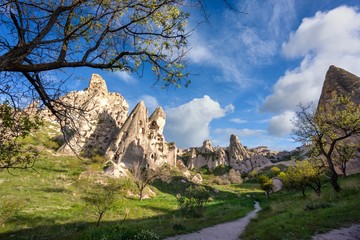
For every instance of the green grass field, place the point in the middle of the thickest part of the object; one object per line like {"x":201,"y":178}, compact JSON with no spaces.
{"x":289,"y":215}
{"x":46,"y":203}
{"x":49,"y":206}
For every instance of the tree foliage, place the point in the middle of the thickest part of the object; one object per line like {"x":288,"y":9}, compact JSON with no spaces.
{"x":41,"y":37}
{"x":343,"y":154}
{"x":101,"y":194}
{"x":193,"y":201}
{"x":306,"y":173}
{"x":266,"y":184}
{"x":15,"y":125}
{"x":328,"y":126}
{"x":143,"y":176}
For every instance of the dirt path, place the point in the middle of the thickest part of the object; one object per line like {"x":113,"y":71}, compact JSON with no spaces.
{"x":224,"y":231}
{"x":349,"y":233}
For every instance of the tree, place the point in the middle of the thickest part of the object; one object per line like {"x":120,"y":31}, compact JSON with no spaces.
{"x":306,"y":173}
{"x":328,"y":126}
{"x":275,"y":170}
{"x":100,"y":194}
{"x":193,"y":201}
{"x":14,"y":126}
{"x":143,"y":176}
{"x":343,"y":154}
{"x":42,"y":37}
{"x":266,"y":184}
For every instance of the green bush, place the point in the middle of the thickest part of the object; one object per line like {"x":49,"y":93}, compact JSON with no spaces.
{"x":192,"y":202}
{"x":122,"y":233}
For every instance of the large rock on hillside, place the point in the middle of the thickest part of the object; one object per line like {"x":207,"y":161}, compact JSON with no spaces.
{"x":141,"y":139}
{"x":239,"y":157}
{"x":97,"y":116}
{"x":341,"y":82}
{"x":206,"y":156}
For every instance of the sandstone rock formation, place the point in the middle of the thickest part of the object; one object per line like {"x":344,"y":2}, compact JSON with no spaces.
{"x":96,"y":114}
{"x":235,"y":156}
{"x":206,"y":155}
{"x":341,"y":82}
{"x":140,"y":139}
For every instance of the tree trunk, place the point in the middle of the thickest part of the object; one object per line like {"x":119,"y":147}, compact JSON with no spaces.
{"x":334,"y":175}
{"x":334,"y":181}
{"x":99,"y":219}
{"x":141,"y":194}
{"x":303,"y":191}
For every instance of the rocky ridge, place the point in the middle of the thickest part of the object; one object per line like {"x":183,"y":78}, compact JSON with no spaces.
{"x":235,"y":155}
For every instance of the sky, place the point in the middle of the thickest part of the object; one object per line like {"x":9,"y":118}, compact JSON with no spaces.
{"x":249,"y":70}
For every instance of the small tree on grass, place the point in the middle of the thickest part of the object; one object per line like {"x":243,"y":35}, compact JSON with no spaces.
{"x":100,"y":195}
{"x":193,"y":201}
{"x":307,"y":173}
{"x":266,"y":184}
{"x":343,"y":154}
{"x":143,"y":176}
{"x":328,"y":126}
{"x":275,"y":170}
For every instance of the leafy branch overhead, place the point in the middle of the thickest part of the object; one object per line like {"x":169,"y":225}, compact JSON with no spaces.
{"x":42,"y":37}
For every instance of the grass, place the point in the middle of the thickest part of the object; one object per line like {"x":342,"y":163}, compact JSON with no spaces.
{"x":50,"y":204}
{"x":288,"y":215}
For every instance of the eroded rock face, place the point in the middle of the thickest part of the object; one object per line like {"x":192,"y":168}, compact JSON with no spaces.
{"x":140,"y":139}
{"x":99,"y":121}
{"x":239,"y":157}
{"x":236,"y":156}
{"x":206,"y":155}
{"x":341,"y":82}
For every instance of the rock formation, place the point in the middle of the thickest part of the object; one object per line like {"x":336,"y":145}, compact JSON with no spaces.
{"x":207,"y":156}
{"x":341,"y":82}
{"x":97,"y":117}
{"x":140,"y":139}
{"x":235,"y":156}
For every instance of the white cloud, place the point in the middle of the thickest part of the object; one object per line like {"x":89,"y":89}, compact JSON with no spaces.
{"x":125,"y":77}
{"x":281,"y":125}
{"x":189,"y":124}
{"x":328,"y":38}
{"x":245,"y":132}
{"x":150,"y":102}
{"x":233,"y":48}
{"x":238,"y":120}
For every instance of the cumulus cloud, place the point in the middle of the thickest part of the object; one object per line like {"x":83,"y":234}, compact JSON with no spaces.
{"x":189,"y":124}
{"x":328,"y":38}
{"x":281,"y":125}
{"x":125,"y":77}
{"x":233,"y":48}
{"x":245,"y":132}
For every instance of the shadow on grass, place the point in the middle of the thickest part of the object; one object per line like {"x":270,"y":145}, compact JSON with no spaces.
{"x":165,"y":223}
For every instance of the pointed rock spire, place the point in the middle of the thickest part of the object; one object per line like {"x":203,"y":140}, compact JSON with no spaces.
{"x":340,"y":82}
{"x":97,"y":84}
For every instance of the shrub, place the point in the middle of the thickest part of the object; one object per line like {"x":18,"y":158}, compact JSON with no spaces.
{"x":235,"y":177}
{"x":123,"y":233}
{"x":193,"y":201}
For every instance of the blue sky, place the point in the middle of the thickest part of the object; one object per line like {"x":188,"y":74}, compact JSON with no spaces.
{"x":250,"y":71}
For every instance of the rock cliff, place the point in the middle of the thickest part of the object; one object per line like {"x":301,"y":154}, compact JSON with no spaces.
{"x":97,"y":117}
{"x":141,"y":139}
{"x":341,"y":82}
{"x":235,"y":156}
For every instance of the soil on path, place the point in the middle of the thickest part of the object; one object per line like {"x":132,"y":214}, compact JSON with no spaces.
{"x":349,"y":233}
{"x":225,"y":231}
